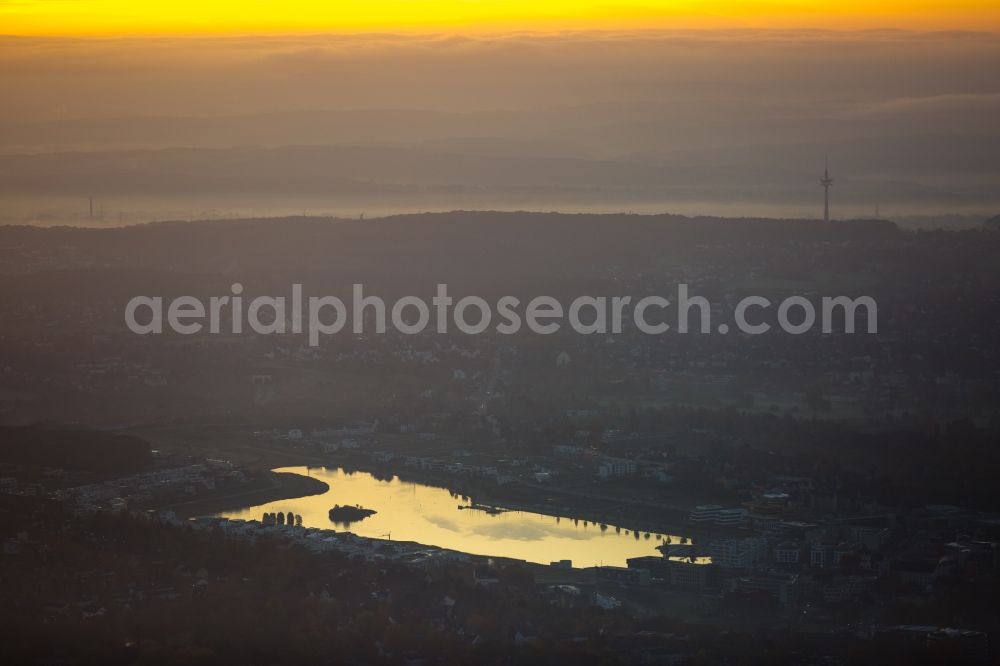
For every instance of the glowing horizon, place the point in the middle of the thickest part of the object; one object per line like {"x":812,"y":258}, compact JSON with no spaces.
{"x":177,"y":17}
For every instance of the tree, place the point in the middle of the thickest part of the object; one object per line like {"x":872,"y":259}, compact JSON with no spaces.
{"x":816,"y":401}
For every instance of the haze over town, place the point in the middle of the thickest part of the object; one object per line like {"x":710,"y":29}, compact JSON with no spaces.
{"x":190,"y":472}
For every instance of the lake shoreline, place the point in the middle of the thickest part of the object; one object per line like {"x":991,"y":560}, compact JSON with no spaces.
{"x":480,"y":493}
{"x":281,"y":486}
{"x":427,"y":512}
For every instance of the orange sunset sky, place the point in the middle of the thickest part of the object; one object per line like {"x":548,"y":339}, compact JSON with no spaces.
{"x":128,"y":17}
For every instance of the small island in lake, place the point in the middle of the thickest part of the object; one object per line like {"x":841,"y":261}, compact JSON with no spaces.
{"x":350,"y":514}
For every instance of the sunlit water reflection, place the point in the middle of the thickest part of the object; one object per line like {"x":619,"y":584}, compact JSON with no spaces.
{"x":429,"y":515}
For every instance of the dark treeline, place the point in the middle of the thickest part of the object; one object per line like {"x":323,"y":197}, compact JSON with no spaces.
{"x":89,"y":450}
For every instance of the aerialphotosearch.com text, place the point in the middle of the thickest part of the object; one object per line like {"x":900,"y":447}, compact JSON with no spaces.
{"x":319,"y":316}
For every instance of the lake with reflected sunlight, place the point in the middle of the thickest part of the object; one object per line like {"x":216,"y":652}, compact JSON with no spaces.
{"x":430,"y":515}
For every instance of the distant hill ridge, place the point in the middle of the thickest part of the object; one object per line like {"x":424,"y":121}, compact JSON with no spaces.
{"x":482,"y":252}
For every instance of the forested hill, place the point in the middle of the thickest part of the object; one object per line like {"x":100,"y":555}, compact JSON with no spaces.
{"x":452,"y":245}
{"x":88,"y":450}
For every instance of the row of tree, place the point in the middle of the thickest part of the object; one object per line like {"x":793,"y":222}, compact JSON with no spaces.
{"x":280,"y":518}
